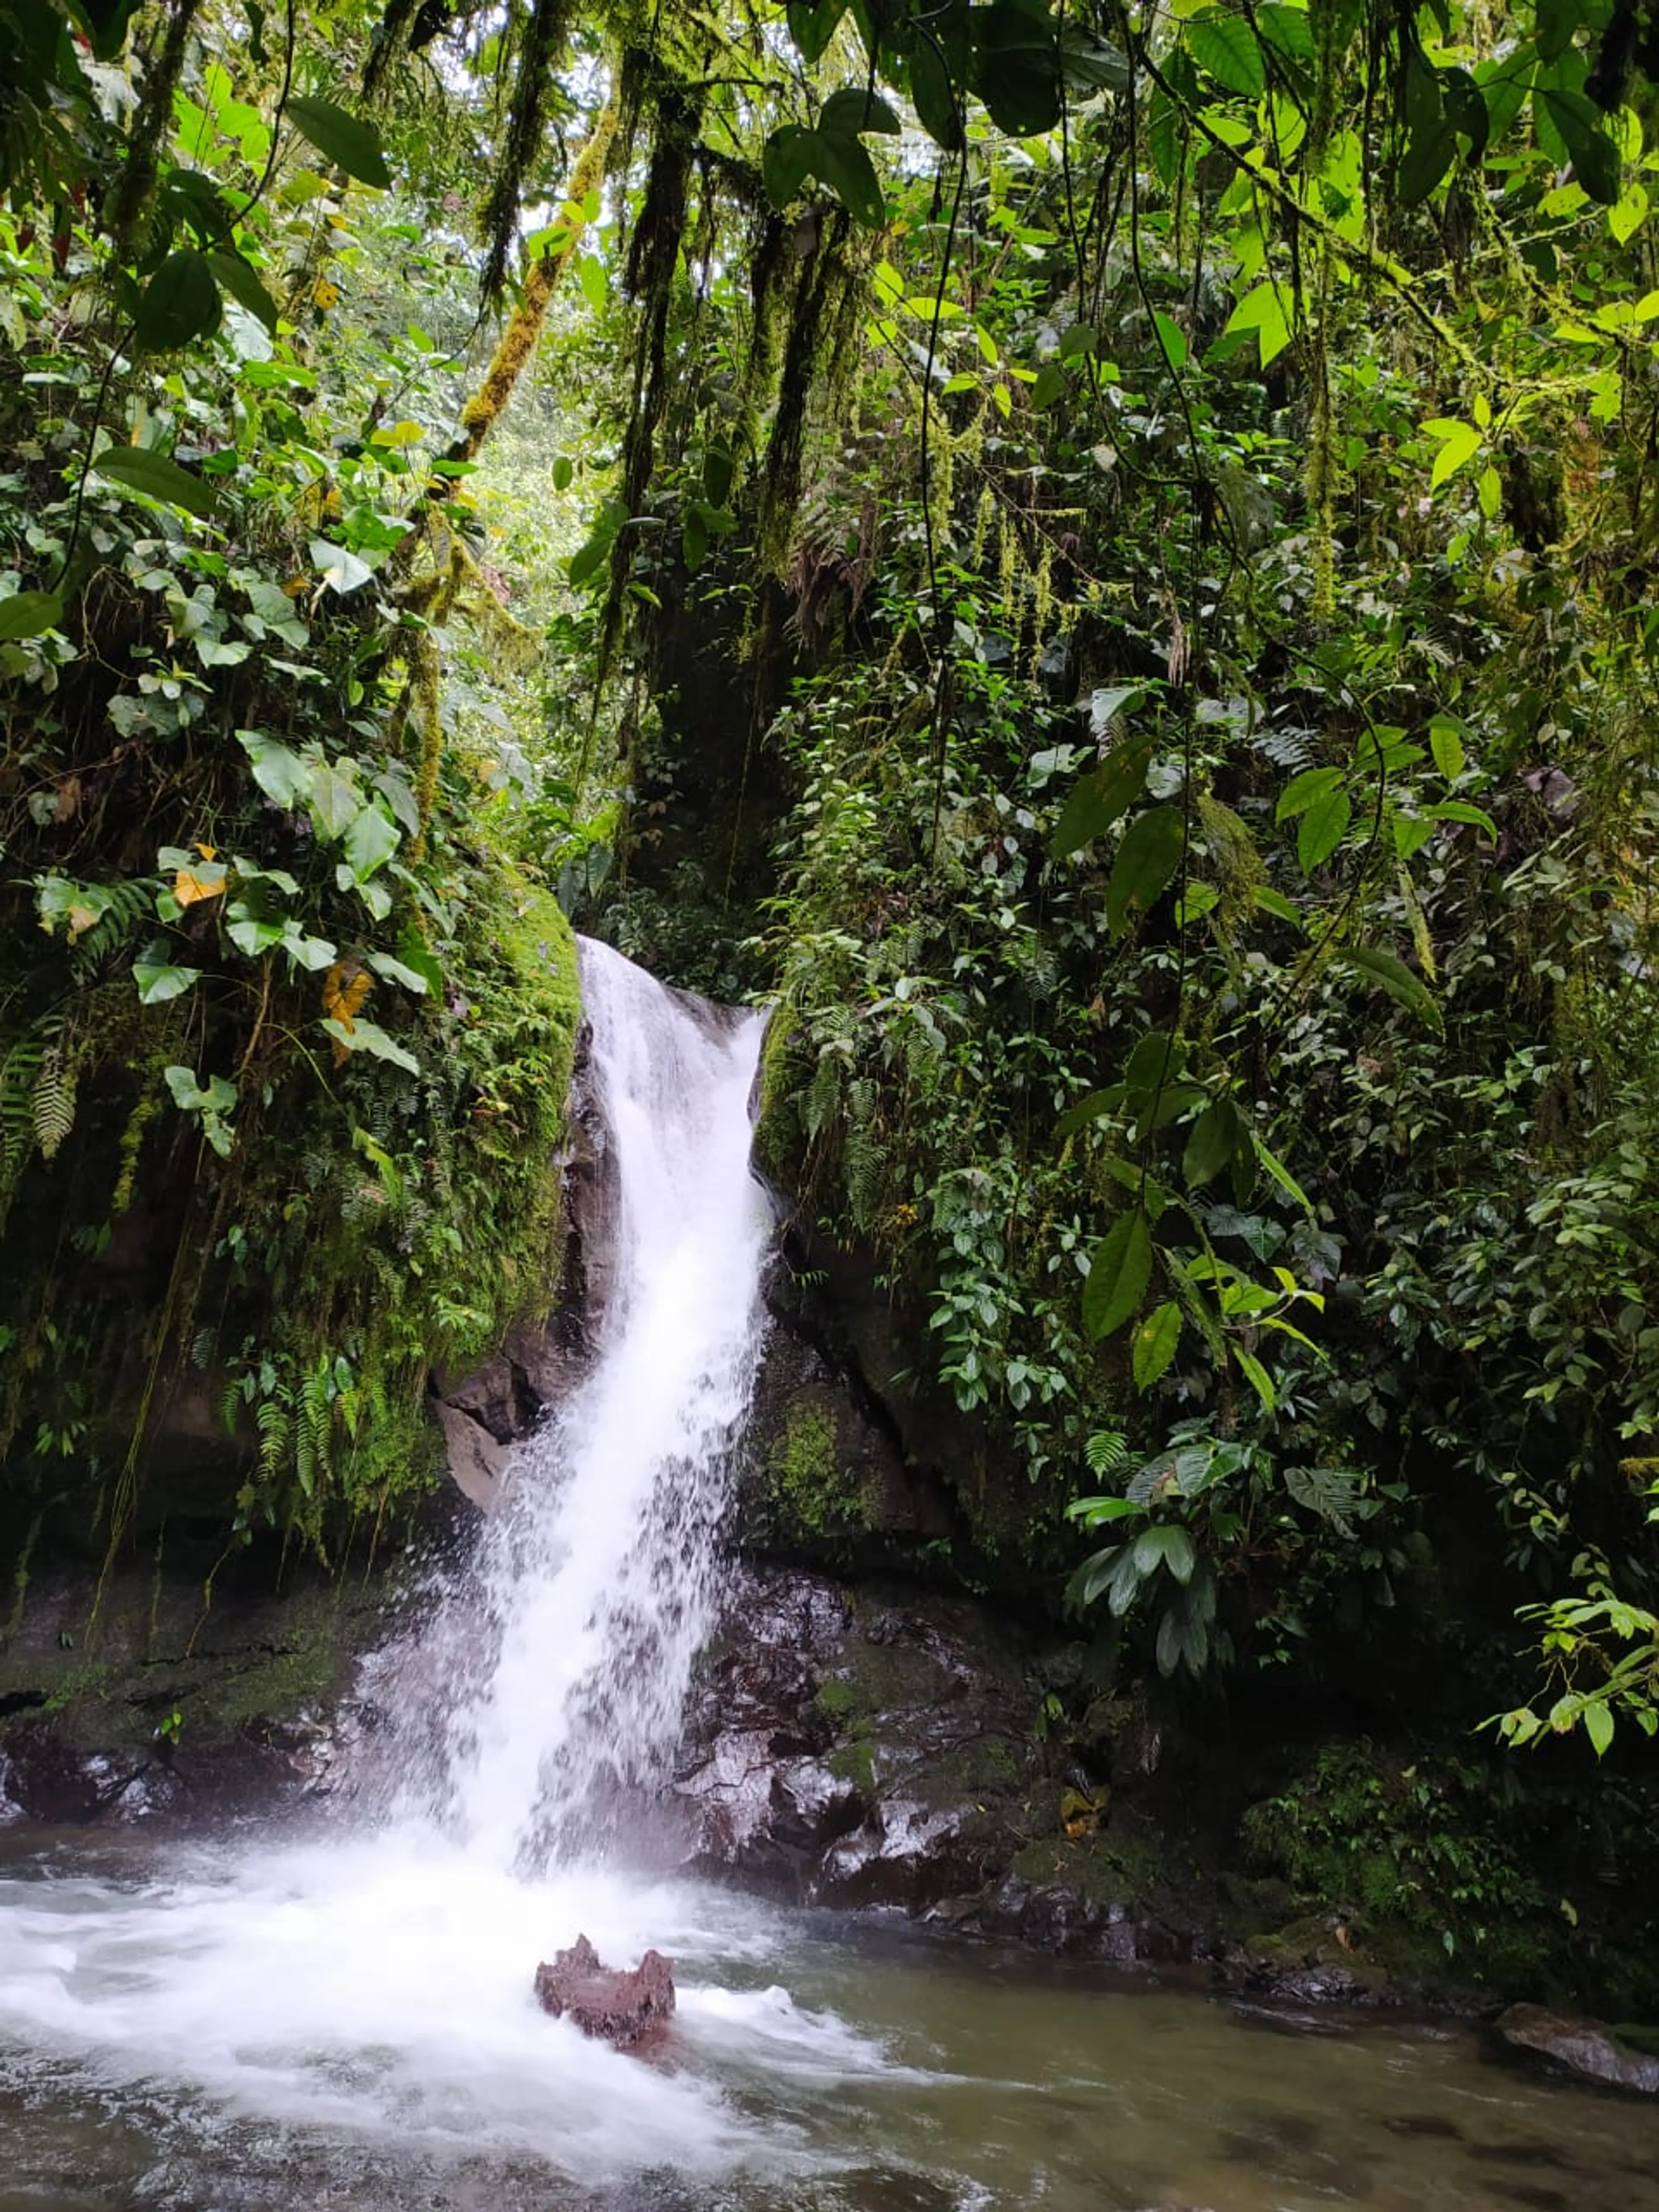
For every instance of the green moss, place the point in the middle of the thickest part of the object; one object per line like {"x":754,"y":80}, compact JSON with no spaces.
{"x":813,"y":1493}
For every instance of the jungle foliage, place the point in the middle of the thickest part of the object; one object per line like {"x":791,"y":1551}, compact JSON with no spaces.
{"x":1112,"y":575}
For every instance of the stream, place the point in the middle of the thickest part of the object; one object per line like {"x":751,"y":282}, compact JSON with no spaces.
{"x":346,"y":2019}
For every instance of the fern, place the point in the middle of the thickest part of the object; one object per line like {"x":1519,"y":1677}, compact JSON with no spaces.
{"x":53,"y":1106}
{"x":1105,"y":1451}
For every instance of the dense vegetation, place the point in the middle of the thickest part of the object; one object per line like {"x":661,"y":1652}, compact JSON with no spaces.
{"x":1103,"y":558}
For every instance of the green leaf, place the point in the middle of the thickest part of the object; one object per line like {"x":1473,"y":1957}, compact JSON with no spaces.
{"x":812,"y":26}
{"x":787,"y":161}
{"x":1275,"y":903}
{"x":333,"y":799}
{"x":180,"y":303}
{"x":844,"y":165}
{"x":1598,"y":1726}
{"x":1094,"y":1107}
{"x":1165,"y":1546}
{"x":1225,"y":46}
{"x":1428,"y":156}
{"x":934,"y":96}
{"x":371,"y":841}
{"x":1154,"y":1343}
{"x":1262,"y":310}
{"x":240,"y":278}
{"x":340,"y":569}
{"x":1120,"y":1268}
{"x":346,"y":141}
{"x":1596,"y":160}
{"x":1147,"y":864}
{"x":1052,"y":384}
{"x":413,"y":953}
{"x":1259,"y":1380}
{"x":1324,"y":826}
{"x":27,"y":614}
{"x":398,"y":971}
{"x":1017,"y":69}
{"x":1216,"y":1135}
{"x":845,"y":114}
{"x":283,"y":777}
{"x":1280,"y":1174}
{"x":370,"y":1037}
{"x":311,"y":953}
{"x":1446,"y":744}
{"x":1397,"y":979}
{"x":1104,"y":797}
{"x":1305,"y":790}
{"x":1458,"y":810}
{"x":158,"y":980}
{"x":1172,"y":338}
{"x":135,"y":468}
{"x":1459,"y":443}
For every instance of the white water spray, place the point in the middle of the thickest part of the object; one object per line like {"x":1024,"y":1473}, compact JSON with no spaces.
{"x":598,"y":1581}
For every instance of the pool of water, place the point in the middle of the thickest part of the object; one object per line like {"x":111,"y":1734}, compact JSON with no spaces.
{"x":350,"y":2024}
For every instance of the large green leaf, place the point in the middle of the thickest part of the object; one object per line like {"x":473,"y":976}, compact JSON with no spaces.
{"x":280,"y":773}
{"x":787,"y":162}
{"x":179,"y":304}
{"x":1102,"y":797}
{"x":1322,"y":829}
{"x":845,"y":166}
{"x":856,"y":108}
{"x":135,"y":468}
{"x":343,"y":139}
{"x":29,"y":613}
{"x":1154,"y":1343}
{"x":812,"y":26}
{"x":1397,"y":979}
{"x":158,"y":980}
{"x":1017,"y":69}
{"x":933,"y":95}
{"x":1225,"y":46}
{"x":1165,"y":1546}
{"x":241,"y":280}
{"x":371,"y":841}
{"x":1120,"y":1268}
{"x":368,"y":1036}
{"x":1147,"y":863}
{"x":1216,"y":1135}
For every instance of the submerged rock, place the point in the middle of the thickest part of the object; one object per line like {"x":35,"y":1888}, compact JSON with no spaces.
{"x":630,"y":2009}
{"x":1588,"y":2048}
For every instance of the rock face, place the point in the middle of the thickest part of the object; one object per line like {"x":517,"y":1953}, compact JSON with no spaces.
{"x":1585,"y":2047}
{"x":877,"y":1748}
{"x":628,"y":2009}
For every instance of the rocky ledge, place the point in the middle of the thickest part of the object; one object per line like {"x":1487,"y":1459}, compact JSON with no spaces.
{"x":866,"y":1746}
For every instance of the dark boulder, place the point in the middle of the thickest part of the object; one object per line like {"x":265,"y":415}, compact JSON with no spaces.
{"x":628,"y":2009}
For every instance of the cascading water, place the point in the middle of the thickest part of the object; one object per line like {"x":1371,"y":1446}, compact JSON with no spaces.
{"x":596,"y":1584}
{"x":350,"y":2022}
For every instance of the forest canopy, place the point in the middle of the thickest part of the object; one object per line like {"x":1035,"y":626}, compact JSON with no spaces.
{"x":1101,"y":557}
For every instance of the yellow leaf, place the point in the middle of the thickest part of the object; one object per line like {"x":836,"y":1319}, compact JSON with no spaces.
{"x":80,"y":918}
{"x":324,"y":293}
{"x":191,"y":884}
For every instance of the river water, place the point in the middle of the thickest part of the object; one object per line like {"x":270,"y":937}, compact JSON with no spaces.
{"x":347,"y":2020}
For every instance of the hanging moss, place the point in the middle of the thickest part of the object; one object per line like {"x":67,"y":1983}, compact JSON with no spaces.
{"x":541,"y":50}
{"x":136,"y":180}
{"x":821,"y":292}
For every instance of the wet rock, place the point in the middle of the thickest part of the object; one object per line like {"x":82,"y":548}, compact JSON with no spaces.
{"x":629,"y":2008}
{"x":1588,"y":2048}
{"x":876,"y":1749}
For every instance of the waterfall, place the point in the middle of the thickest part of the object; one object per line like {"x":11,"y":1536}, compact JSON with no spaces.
{"x":567,"y":1649}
